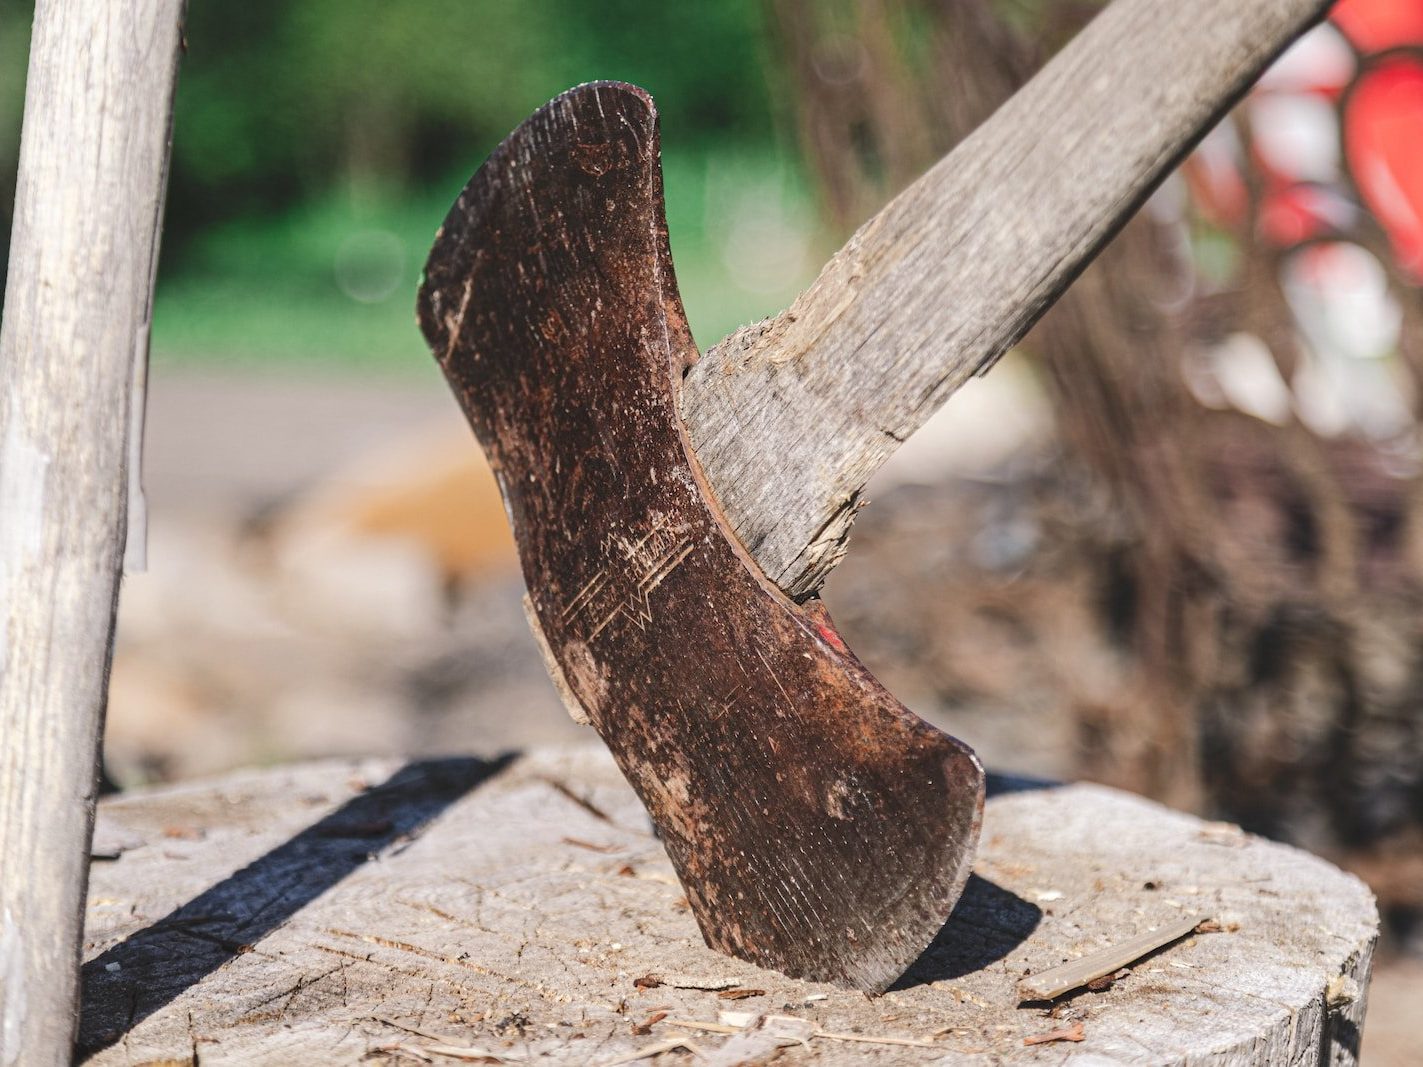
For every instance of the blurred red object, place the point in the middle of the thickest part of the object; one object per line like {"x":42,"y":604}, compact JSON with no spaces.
{"x":1383,"y":139}
{"x":1376,"y":25}
{"x":1292,"y":214}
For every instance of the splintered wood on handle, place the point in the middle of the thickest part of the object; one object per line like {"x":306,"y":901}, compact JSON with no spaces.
{"x":1055,"y":981}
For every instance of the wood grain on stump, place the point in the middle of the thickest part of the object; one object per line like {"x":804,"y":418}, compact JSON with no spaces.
{"x":519,"y":910}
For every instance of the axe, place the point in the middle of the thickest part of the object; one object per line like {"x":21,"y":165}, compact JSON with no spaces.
{"x":675,"y":517}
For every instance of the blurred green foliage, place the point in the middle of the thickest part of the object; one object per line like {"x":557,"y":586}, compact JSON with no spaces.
{"x":14,"y":45}
{"x":319,"y":143}
{"x":280,"y":101}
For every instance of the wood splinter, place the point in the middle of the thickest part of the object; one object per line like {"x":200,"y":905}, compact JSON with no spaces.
{"x":1074,"y":974}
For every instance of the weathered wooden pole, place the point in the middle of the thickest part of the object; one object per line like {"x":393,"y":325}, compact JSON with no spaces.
{"x":88,"y":205}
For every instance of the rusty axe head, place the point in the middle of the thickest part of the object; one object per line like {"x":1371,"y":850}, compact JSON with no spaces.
{"x":817,"y":826}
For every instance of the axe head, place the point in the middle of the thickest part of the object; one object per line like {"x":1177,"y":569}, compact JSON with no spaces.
{"x":818,"y":827}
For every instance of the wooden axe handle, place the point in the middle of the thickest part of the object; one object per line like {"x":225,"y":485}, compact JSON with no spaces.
{"x":790,"y":417}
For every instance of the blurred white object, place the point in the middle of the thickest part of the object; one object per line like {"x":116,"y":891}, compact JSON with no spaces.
{"x":1240,"y":372}
{"x":1350,"y":323}
{"x":1339,"y":294}
{"x":1320,"y":61}
{"x":987,"y":422}
{"x":1296,"y":135}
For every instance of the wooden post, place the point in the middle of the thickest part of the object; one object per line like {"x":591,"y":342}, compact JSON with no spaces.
{"x":93,"y":163}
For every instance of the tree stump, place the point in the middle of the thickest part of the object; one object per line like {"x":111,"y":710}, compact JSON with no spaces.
{"x":519,"y":910}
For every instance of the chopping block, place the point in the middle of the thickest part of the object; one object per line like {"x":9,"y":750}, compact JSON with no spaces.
{"x":519,"y":910}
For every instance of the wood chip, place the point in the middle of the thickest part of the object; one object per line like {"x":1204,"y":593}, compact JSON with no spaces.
{"x":1222,"y":833}
{"x":740,"y":994}
{"x":1076,"y":1032}
{"x":1101,"y":985}
{"x":426,"y":1034}
{"x":644,"y":1028}
{"x":711,"y":1028}
{"x":1055,"y":981}
{"x":789,"y":1027}
{"x":578,"y":798}
{"x":578,"y":842}
{"x":1340,"y":991}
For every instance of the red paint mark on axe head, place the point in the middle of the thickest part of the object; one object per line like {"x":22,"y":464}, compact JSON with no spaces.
{"x":830,"y":637}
